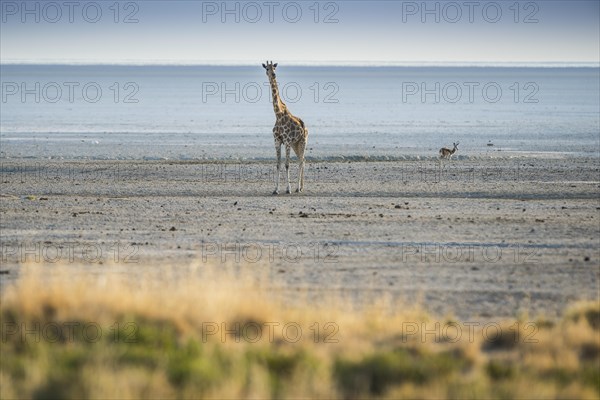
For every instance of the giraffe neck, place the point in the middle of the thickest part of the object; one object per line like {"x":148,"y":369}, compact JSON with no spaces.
{"x":278,"y":105}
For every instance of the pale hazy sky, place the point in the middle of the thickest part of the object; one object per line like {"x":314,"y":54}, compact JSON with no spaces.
{"x":300,"y":31}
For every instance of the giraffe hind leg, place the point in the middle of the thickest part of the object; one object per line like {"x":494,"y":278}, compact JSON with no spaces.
{"x":287,"y":168}
{"x":299,"y":149}
{"x":278,"y":153}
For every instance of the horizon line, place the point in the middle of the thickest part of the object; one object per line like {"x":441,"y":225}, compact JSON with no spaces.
{"x":350,"y":63}
{"x":523,"y":64}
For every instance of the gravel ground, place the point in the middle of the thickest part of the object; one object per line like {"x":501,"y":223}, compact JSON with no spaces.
{"x":473,"y":238}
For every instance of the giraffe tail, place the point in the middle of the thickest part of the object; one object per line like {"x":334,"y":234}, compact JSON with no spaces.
{"x":303,"y":126}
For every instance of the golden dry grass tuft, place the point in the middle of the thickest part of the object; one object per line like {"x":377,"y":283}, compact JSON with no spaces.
{"x":192,"y":332}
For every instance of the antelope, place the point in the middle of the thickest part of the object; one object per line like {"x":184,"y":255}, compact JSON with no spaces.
{"x":447,"y":153}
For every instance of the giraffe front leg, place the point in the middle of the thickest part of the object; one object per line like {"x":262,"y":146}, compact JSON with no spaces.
{"x":287,"y":169}
{"x":278,"y":152}
{"x":301,"y":176}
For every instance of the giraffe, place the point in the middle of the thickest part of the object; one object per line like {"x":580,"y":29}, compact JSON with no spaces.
{"x":290,"y":131}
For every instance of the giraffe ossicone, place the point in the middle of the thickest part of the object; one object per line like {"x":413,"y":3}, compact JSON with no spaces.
{"x":288,"y":131}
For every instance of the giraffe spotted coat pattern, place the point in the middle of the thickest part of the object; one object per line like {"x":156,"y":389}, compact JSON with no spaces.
{"x":288,"y":131}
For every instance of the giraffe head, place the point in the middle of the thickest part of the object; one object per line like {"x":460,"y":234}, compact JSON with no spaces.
{"x":270,"y":67}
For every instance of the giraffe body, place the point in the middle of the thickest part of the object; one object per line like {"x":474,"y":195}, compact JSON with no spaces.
{"x":289,"y":131}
